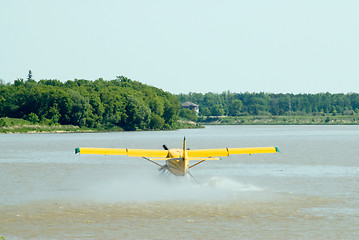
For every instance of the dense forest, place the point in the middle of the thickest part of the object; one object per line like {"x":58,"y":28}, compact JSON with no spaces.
{"x":120,"y":103}
{"x":130,"y":105}
{"x":243,"y":104}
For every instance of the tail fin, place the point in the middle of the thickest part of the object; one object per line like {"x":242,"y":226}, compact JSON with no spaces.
{"x":184,"y":148}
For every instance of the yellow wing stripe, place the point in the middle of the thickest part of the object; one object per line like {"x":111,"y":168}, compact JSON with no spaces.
{"x":229,"y":151}
{"x":126,"y":152}
{"x":252,"y":150}
{"x":202,"y":153}
{"x":101,"y":151}
{"x":147,"y":153}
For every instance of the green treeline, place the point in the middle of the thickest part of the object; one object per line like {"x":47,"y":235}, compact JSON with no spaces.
{"x":120,"y":103}
{"x":244,"y":104}
{"x":130,"y":105}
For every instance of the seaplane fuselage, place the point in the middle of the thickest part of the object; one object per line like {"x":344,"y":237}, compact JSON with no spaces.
{"x":178,"y":163}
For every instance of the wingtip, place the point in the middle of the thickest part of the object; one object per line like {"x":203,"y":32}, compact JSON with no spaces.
{"x":277,"y":150}
{"x":77,"y":150}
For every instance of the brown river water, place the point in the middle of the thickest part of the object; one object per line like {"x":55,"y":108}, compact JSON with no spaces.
{"x":310,"y":190}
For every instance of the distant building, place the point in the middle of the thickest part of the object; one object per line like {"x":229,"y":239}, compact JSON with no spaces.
{"x":190,"y":106}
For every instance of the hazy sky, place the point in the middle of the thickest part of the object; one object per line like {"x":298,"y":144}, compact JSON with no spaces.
{"x":295,"y":46}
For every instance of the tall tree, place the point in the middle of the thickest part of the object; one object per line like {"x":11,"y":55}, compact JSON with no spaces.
{"x":29,"y":75}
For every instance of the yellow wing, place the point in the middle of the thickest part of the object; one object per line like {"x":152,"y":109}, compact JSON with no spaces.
{"x":230,"y":151}
{"x":127,"y":152}
{"x":198,"y":154}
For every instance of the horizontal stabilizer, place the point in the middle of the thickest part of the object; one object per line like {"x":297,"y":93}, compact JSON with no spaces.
{"x":190,"y":159}
{"x":203,"y":159}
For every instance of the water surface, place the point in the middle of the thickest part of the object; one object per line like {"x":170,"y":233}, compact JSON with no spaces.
{"x":308,"y":191}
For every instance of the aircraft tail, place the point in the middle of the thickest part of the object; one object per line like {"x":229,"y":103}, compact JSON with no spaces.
{"x":184,"y":148}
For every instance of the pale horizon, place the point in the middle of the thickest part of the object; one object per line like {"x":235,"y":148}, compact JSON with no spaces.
{"x":188,"y":46}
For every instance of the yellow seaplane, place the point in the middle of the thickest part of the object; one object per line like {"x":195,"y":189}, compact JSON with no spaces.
{"x":177,"y":161}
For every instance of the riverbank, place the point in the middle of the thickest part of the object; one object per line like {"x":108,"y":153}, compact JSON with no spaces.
{"x":15,"y":125}
{"x":282,"y":120}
